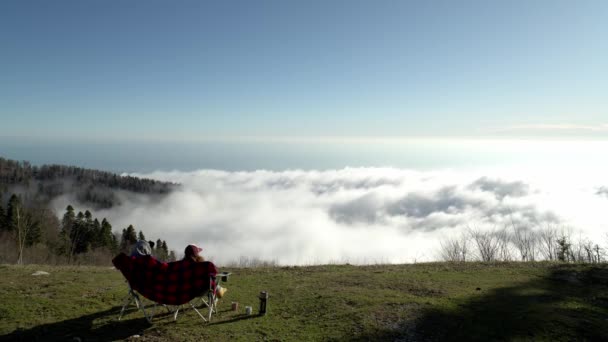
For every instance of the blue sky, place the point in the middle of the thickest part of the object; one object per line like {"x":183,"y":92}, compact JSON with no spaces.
{"x":188,"y":70}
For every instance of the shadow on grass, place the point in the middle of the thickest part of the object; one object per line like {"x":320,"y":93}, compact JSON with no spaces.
{"x":82,"y":329}
{"x":571,"y":304}
{"x":235,"y":319}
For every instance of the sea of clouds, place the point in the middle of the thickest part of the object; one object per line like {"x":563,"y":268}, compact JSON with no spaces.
{"x":357,"y":215}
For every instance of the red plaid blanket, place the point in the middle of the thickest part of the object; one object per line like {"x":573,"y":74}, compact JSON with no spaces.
{"x":172,"y":283}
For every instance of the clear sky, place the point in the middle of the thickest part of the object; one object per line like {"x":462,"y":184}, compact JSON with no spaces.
{"x":180,"y":70}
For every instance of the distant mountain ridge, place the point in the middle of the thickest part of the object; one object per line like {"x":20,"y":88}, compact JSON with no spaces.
{"x":41,"y":184}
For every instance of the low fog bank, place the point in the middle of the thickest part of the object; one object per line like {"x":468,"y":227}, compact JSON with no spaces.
{"x":355,"y":215}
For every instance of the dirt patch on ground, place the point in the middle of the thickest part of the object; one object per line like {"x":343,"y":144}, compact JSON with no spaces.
{"x":398,"y":322}
{"x":418,"y":290}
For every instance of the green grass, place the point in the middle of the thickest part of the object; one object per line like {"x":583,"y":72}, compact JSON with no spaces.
{"x":514,"y":301}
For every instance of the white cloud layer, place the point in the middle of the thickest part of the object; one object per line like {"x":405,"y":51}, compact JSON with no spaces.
{"x":559,"y":128}
{"x":356,"y":215}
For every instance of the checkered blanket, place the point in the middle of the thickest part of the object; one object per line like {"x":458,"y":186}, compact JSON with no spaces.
{"x":172,"y":283}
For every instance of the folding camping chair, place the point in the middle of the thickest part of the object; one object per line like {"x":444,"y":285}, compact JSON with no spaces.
{"x":170,"y":284}
{"x":211,"y":300}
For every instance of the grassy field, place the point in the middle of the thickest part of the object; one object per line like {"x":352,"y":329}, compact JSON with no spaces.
{"x":514,"y":301}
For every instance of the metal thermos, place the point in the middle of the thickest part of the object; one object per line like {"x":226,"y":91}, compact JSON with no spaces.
{"x":263,"y":302}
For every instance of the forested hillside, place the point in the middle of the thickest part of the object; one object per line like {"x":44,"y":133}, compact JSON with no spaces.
{"x":93,"y":187}
{"x":30,"y":232}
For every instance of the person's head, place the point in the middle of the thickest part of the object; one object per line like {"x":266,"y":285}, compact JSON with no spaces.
{"x":192,"y":252}
{"x":141,"y":248}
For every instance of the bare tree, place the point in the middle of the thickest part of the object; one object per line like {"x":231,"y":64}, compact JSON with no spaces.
{"x":586,"y":251}
{"x":577,"y":250}
{"x":455,"y":249}
{"x":588,"y":248}
{"x":548,"y":243}
{"x":24,"y":225}
{"x":525,"y":241}
{"x":487,"y":243}
{"x":598,"y":253}
{"x":505,"y":252}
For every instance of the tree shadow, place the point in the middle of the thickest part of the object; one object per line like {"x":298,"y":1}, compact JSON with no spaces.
{"x":570,"y":304}
{"x":82,"y":329}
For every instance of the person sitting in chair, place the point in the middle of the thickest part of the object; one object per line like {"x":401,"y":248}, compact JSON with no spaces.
{"x":192,"y":252}
{"x":142,"y":248}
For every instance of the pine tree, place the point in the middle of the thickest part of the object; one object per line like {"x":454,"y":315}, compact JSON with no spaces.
{"x":105,"y":236}
{"x":81,"y":234}
{"x":2,"y":215}
{"x":89,"y":230}
{"x":68,"y":220}
{"x":67,"y":223}
{"x":141,"y":236}
{"x":34,"y":231}
{"x":124,"y":244}
{"x":115,"y":248}
{"x":158,"y":249}
{"x":165,"y":248}
{"x":131,"y":235}
{"x":161,"y":251}
{"x":88,"y":217}
{"x":14,"y":204}
{"x":96,"y":239}
{"x":128,"y":238}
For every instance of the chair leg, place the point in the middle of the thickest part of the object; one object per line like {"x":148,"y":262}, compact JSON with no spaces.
{"x":209,"y":303}
{"x":126,"y":302}
{"x":142,"y":307}
{"x":132,"y":297}
{"x":212,"y":304}
{"x":198,"y":312}
{"x":203,"y":301}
